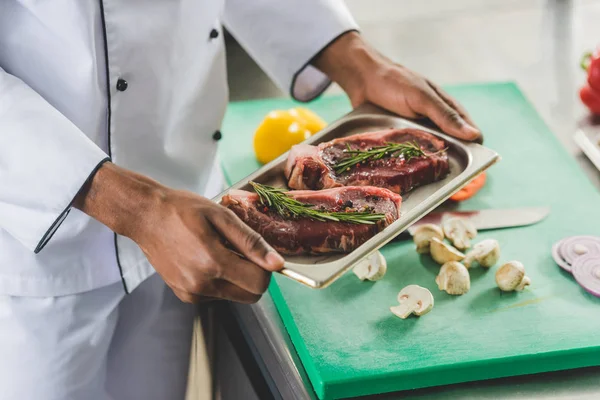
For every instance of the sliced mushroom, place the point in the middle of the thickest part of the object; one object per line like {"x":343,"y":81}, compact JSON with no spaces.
{"x":371,"y":268}
{"x":413,"y":299}
{"x":459,"y":231}
{"x":454,"y":278}
{"x":486,"y":253}
{"x":511,"y":276}
{"x":423,"y":234}
{"x":442,"y":252}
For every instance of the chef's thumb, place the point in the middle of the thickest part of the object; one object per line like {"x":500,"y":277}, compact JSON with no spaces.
{"x":249,"y":243}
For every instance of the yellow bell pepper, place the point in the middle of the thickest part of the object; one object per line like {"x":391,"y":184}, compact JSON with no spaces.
{"x":281,"y":129}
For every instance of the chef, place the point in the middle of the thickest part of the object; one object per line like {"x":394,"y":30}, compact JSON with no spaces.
{"x":109,"y":122}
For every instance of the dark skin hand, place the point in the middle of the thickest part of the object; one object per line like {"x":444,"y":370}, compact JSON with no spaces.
{"x":183,"y":236}
{"x":367,"y":76}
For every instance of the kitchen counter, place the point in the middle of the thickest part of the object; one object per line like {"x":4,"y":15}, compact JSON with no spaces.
{"x":285,"y":378}
{"x":535,"y":43}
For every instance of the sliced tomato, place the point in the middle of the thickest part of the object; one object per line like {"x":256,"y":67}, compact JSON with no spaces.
{"x":470,"y":189}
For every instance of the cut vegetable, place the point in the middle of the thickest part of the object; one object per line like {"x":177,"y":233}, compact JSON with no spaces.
{"x":586,"y":271}
{"x":486,"y":253}
{"x":423,"y":234}
{"x":442,"y":252}
{"x":413,"y":299}
{"x":459,"y":231}
{"x":568,"y":250}
{"x":574,"y":247}
{"x":454,"y":278}
{"x":511,"y":276}
{"x":470,"y":189}
{"x":558,"y":258}
{"x":371,"y":268}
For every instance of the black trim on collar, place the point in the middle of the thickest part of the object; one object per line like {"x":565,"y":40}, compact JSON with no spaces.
{"x":63,"y":215}
{"x":108,"y":116}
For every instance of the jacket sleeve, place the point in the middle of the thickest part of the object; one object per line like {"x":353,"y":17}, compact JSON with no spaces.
{"x":284,"y":36}
{"x":44,"y":161}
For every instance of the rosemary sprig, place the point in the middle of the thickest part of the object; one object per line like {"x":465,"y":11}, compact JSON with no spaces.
{"x":406,"y":150}
{"x":286,"y":206}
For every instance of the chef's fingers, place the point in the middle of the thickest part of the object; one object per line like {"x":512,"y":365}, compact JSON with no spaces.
{"x":446,"y":117}
{"x":245,"y":240}
{"x":452,"y":102}
{"x":232,"y":268}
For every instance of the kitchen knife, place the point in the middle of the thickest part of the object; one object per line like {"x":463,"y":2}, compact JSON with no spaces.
{"x":484,"y":219}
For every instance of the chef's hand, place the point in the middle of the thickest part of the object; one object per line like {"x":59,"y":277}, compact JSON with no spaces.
{"x":367,"y":76}
{"x":183,"y":236}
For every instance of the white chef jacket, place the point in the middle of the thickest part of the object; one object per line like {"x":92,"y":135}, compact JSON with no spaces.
{"x":141,"y":83}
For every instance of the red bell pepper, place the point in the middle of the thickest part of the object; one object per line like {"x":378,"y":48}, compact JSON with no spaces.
{"x":590,"y":93}
{"x":591,"y":98}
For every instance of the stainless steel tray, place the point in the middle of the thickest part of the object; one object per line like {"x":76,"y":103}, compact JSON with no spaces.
{"x":467,"y":160}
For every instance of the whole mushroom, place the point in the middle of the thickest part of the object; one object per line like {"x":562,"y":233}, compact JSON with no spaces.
{"x":442,"y":252}
{"x":371,"y":268}
{"x":511,"y":276}
{"x":459,"y":231}
{"x":454,"y":278}
{"x":423,"y":234}
{"x":486,"y":253}
{"x":413,"y":299}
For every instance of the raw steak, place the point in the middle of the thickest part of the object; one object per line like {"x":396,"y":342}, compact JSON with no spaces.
{"x":312,"y":167}
{"x":309,"y":236}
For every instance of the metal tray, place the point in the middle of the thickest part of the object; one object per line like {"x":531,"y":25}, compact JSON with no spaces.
{"x":467,"y":160}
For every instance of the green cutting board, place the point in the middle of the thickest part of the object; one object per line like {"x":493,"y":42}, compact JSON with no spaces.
{"x":350,"y":343}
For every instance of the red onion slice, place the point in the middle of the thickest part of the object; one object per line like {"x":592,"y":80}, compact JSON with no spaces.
{"x":558,"y":258}
{"x":586,"y":271}
{"x":574,"y":247}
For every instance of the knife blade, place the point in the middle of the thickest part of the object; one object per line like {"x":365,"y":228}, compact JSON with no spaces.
{"x":486,"y":219}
